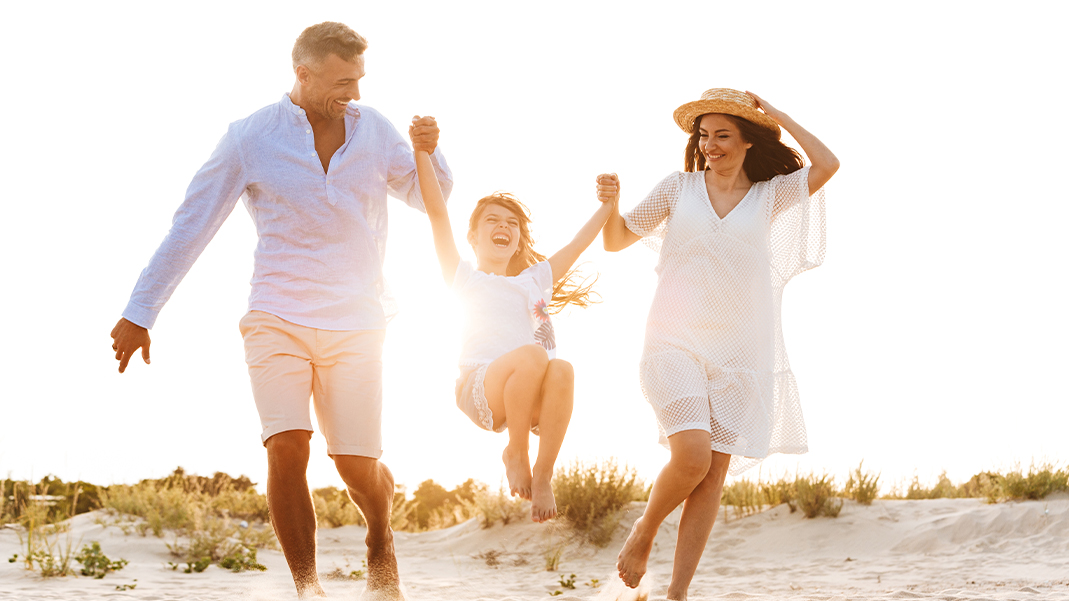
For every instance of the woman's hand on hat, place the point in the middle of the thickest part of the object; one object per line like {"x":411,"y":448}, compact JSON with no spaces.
{"x":608,"y":187}
{"x":777,"y":115}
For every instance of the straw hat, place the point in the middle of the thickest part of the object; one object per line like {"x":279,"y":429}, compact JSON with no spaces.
{"x":723,"y":100}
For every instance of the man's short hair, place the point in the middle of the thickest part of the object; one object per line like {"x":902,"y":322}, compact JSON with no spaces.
{"x":319,"y":41}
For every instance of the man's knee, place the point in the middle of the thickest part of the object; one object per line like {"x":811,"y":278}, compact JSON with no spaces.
{"x":288,"y":446}
{"x":358,"y":472}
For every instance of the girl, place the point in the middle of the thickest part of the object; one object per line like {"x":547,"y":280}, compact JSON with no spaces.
{"x":510,"y":378}
{"x":742,"y":219}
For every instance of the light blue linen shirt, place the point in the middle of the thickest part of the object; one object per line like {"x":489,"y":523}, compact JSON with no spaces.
{"x":322,"y":236}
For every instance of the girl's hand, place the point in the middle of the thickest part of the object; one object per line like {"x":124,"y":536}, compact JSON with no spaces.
{"x":608,"y":187}
{"x":777,"y":115}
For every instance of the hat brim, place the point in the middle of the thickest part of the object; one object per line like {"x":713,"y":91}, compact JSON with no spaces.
{"x":686,"y":114}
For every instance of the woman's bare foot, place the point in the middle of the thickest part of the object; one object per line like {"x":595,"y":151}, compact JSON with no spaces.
{"x":631,"y":563}
{"x":518,"y":471}
{"x":543,"y":505}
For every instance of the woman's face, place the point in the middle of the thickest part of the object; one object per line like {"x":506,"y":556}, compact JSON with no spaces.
{"x":497,"y":234}
{"x":721,"y":143}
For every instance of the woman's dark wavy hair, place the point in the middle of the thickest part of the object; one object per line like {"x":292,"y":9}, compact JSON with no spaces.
{"x":570,"y":289}
{"x":767,"y":158}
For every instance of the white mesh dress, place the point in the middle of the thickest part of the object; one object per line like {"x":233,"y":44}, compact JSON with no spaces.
{"x":714,"y":358}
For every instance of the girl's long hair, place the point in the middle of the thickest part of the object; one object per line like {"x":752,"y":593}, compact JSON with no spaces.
{"x":573,"y":288}
{"x":767,"y":158}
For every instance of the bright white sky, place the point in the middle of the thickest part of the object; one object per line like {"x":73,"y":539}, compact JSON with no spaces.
{"x":932,"y":338}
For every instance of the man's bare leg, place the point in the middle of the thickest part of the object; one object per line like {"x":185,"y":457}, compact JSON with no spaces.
{"x":686,"y":468}
{"x":371,"y":487}
{"x":292,"y":513}
{"x":553,"y":417}
{"x":695,"y":524}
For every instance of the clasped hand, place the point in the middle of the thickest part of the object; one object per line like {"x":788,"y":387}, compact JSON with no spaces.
{"x":424,"y":134}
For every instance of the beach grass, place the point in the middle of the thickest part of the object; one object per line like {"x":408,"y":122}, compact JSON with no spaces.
{"x":862,"y":486}
{"x":591,"y":496}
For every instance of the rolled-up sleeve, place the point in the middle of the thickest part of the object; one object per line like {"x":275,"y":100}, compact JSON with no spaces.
{"x":402,"y":181}
{"x":210,"y":198}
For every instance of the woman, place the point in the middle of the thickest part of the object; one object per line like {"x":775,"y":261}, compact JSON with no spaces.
{"x":742,"y":219}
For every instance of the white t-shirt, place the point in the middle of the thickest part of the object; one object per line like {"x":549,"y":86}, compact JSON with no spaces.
{"x":503,"y":313}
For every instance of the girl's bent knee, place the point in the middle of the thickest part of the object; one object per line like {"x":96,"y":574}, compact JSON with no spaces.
{"x":535,"y":356}
{"x":560,"y":371}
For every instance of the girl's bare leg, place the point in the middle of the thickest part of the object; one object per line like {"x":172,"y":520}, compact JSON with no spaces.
{"x":552,"y":416}
{"x":513,"y":386}
{"x":686,"y":468}
{"x":699,"y":513}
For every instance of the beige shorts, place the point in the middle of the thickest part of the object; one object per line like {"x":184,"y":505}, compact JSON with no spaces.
{"x":341,"y":371}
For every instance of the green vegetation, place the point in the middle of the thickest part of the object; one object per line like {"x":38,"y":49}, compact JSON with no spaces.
{"x":95,"y":563}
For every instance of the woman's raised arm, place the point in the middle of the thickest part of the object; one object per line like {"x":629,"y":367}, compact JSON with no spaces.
{"x":823,"y":164}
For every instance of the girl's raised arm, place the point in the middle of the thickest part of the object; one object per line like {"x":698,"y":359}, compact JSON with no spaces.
{"x":433,"y":200}
{"x":563,"y":259}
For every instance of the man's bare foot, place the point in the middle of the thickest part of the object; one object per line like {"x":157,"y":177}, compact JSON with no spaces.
{"x":383,"y":582}
{"x":518,"y":472}
{"x":543,"y":505}
{"x":631,"y":562}
{"x":310,"y":591}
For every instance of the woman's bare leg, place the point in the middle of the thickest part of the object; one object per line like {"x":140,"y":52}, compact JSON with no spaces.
{"x":699,"y":513}
{"x":686,"y":468}
{"x":552,"y":416}
{"x":513,"y":386}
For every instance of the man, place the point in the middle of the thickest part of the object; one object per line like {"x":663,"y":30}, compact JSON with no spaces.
{"x":314,"y":171}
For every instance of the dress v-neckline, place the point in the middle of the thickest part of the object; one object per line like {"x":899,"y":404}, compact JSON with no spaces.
{"x":709,"y":200}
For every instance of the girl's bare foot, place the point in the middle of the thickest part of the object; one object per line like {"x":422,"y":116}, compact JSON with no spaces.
{"x":543,"y":505}
{"x":631,"y":562}
{"x":518,"y":472}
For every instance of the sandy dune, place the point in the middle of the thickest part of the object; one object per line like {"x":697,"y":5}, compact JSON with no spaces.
{"x":960,"y":549}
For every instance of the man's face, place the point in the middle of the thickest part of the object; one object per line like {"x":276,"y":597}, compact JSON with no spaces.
{"x":329,"y":86}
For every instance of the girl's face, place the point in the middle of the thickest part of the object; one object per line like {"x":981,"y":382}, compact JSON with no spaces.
{"x":496,"y":236}
{"x":721,"y":143}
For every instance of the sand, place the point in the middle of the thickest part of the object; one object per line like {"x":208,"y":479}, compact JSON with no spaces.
{"x":949,"y":549}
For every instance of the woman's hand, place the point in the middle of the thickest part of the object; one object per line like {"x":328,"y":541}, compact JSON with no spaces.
{"x":824,"y":163}
{"x":777,"y":115}
{"x":608,"y":188}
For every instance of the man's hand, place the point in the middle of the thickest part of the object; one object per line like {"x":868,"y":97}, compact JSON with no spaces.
{"x":424,"y":133}
{"x":128,"y":337}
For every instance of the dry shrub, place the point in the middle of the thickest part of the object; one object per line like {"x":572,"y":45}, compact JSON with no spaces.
{"x":590,"y":497}
{"x":816,"y":496}
{"x":779,"y":491}
{"x":744,"y":497}
{"x":498,"y":507}
{"x":334,"y":508}
{"x":862,"y":486}
{"x":203,"y":515}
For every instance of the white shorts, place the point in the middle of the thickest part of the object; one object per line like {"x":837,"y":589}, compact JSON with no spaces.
{"x":471,"y":399}
{"x":340,"y":370}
